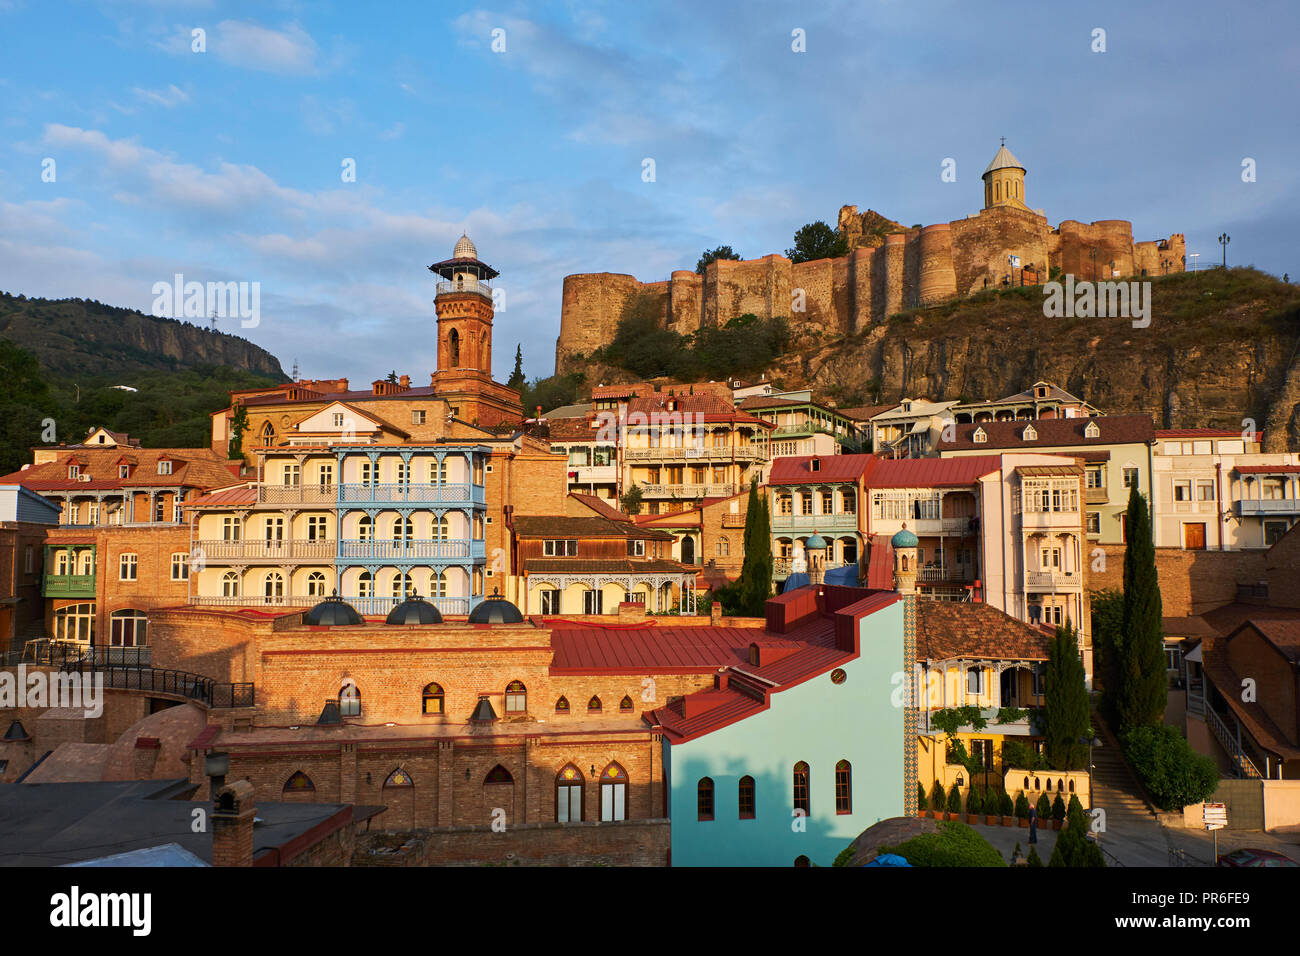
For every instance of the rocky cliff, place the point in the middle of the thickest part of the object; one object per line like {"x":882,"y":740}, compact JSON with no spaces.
{"x":76,"y":336}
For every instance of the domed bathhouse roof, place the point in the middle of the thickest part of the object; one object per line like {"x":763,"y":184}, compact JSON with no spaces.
{"x":464,"y":248}
{"x":414,"y":610}
{"x":333,"y":612}
{"x":1003,"y":159}
{"x":495,"y":609}
{"x":904,"y":539}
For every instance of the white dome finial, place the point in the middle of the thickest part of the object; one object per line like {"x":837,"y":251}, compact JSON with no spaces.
{"x":464,"y":248}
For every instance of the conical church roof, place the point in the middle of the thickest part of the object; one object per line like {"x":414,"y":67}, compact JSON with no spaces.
{"x":1003,"y":160}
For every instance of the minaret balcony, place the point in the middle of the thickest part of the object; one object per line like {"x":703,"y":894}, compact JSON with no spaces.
{"x":465,"y":284}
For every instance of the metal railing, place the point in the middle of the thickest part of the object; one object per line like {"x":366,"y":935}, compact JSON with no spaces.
{"x":1268,"y":506}
{"x":297,"y":494}
{"x":466,"y":284}
{"x":843,"y":521}
{"x":447,"y":493}
{"x":216,"y":694}
{"x":686,"y":491}
{"x":1242,"y":765}
{"x":696,"y":452}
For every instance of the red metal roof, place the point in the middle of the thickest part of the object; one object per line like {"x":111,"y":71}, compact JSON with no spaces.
{"x":242,"y":495}
{"x":796,"y":470}
{"x":1267,"y":469}
{"x":1204,"y":433}
{"x":592,"y":650}
{"x":931,"y":472}
{"x":880,"y":568}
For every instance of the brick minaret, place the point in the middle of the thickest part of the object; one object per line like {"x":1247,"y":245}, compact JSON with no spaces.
{"x":904,"y":545}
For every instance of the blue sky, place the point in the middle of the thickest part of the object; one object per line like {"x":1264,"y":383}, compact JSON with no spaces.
{"x":225,"y":165}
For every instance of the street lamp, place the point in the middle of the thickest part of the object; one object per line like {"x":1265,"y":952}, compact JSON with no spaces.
{"x":1224,"y":239}
{"x":1193,"y":256}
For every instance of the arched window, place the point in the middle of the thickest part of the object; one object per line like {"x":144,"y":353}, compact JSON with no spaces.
{"x":1072,"y":785}
{"x":299,"y":782}
{"x":268,"y":433}
{"x":562,"y":705}
{"x":593,"y":705}
{"x":349,"y":700}
{"x":724,"y":546}
{"x":499,"y":774}
{"x":365,"y":528}
{"x":745,"y":798}
{"x":316,"y":584}
{"x":613,"y":793}
{"x":399,"y":778}
{"x":568,"y":795}
{"x":432,"y":699}
{"x":704,"y":799}
{"x":76,"y":622}
{"x":403,"y":528}
{"x":516,"y":698}
{"x":230,"y":584}
{"x":453,"y":345}
{"x":273,"y":585}
{"x":401,"y":585}
{"x":440,"y":528}
{"x":625,"y":706}
{"x":438,"y":584}
{"x":365,"y":585}
{"x":843,"y":787}
{"x":802,"y":796}
{"x":127,"y":628}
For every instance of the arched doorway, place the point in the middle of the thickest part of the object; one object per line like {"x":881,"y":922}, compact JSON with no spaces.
{"x":398,"y":796}
{"x":688,"y":550}
{"x":499,"y":794}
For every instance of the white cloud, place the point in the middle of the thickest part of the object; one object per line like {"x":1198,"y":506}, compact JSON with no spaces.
{"x":170,"y":97}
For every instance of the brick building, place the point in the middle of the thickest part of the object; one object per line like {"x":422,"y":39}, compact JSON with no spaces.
{"x":24,"y":519}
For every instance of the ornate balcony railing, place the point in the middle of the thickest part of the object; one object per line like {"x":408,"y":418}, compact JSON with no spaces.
{"x":369,"y":606}
{"x":466,"y":284}
{"x":686,"y":491}
{"x":454,"y":493}
{"x":297,"y":494}
{"x":410,"y":550}
{"x":253,"y":549}
{"x":1053,"y":580}
{"x":699,"y":453}
{"x":1268,"y":506}
{"x":844,"y":521}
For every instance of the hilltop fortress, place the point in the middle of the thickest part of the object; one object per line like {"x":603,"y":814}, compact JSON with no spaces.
{"x":888,"y":269}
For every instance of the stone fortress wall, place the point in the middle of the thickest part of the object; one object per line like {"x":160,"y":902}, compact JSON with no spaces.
{"x":881,"y":276}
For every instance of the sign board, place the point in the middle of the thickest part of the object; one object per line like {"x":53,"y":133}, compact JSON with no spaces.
{"x":1015,"y":261}
{"x":1215,"y":815}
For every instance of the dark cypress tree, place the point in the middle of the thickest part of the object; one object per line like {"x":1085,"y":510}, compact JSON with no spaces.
{"x":1066,"y":701}
{"x":516,"y":379}
{"x":1143,"y":689}
{"x":756,"y":573}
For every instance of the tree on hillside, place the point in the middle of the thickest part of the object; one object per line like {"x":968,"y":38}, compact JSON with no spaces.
{"x":238,"y":425}
{"x":712,"y":255}
{"x":1143,"y":684}
{"x":516,"y":379}
{"x":817,"y":241}
{"x":1066,"y":703}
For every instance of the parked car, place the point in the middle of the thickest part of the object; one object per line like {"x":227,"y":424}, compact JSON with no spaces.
{"x":1249,"y":856}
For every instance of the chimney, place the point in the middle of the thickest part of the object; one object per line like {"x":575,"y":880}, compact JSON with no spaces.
{"x":343,"y":385}
{"x":720,"y":680}
{"x":405,"y":382}
{"x":232,"y":825}
{"x":715,"y":614}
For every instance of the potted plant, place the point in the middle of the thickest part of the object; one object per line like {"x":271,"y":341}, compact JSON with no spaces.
{"x":991,"y":807}
{"x":1022,"y":810}
{"x":1058,"y":813}
{"x":1044,"y":809}
{"x":974,"y":806}
{"x":1008,"y":809}
{"x":938,"y":800}
{"x":922,"y":802}
{"x":954,"y":803}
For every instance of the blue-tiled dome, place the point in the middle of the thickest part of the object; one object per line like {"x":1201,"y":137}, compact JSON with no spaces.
{"x":904,"y":539}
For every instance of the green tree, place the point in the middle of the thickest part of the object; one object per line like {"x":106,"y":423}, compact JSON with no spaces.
{"x":954,"y":799}
{"x":712,"y":255}
{"x":922,"y":803}
{"x":1143,"y":684}
{"x":25,"y":403}
{"x":748,"y":595}
{"x":516,"y":379}
{"x":1107,"y":646}
{"x":1066,"y":702}
{"x":238,"y":425}
{"x":631,"y":500}
{"x":1043,"y":808}
{"x":817,"y":240}
{"x":1033,"y":859}
{"x":392,"y":377}
{"x":937,"y":797}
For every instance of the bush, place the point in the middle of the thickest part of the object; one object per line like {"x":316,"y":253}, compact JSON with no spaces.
{"x":955,"y":844}
{"x":1022,"y":806}
{"x":1006,"y":807}
{"x":991,"y":802}
{"x":842,"y":858}
{"x":1173,"y":773}
{"x":1075,"y":810}
{"x":938,"y":799}
{"x":922,"y":804}
{"x":1043,"y":808}
{"x":1021,"y":756}
{"x":1033,"y":859}
{"x":1058,"y":808}
{"x":974,"y":802}
{"x":954,"y":800}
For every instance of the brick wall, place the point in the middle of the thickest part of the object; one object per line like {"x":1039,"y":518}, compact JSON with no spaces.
{"x":626,"y":843}
{"x":1191,"y":582}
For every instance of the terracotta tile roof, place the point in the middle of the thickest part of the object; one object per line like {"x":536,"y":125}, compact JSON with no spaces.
{"x":602,"y":566}
{"x":931,"y":472}
{"x":1253,"y":717}
{"x":1267,"y":469}
{"x":866,"y":412}
{"x":600,"y":506}
{"x":225,"y":498}
{"x":191,"y":467}
{"x":711,"y":408}
{"x":1224,"y":620}
{"x":1187,"y":627}
{"x":571,"y":429}
{"x":1282,"y":633}
{"x":947,"y":630}
{"x":596,"y":526}
{"x":1114,"y":430}
{"x":1204,"y":433}
{"x":796,"y":470}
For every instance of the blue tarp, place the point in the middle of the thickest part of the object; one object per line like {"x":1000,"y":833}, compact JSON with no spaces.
{"x":847,"y":575}
{"x":888,"y":859}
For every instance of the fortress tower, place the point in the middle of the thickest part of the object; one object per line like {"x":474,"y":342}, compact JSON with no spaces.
{"x":1004,"y":180}
{"x":464,"y":304}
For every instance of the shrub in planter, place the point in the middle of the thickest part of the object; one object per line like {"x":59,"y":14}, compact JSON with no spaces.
{"x":1173,"y":773}
{"x":991,"y":805}
{"x":922,"y":803}
{"x":954,"y":803}
{"x":1058,"y":812}
{"x":974,"y":806}
{"x":1007,"y":808}
{"x":1033,"y":859}
{"x":1074,"y":812}
{"x":938,"y":800}
{"x":1044,"y":809}
{"x":1022,"y":809}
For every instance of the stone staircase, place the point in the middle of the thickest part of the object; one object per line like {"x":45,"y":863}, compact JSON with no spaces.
{"x":1114,"y":788}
